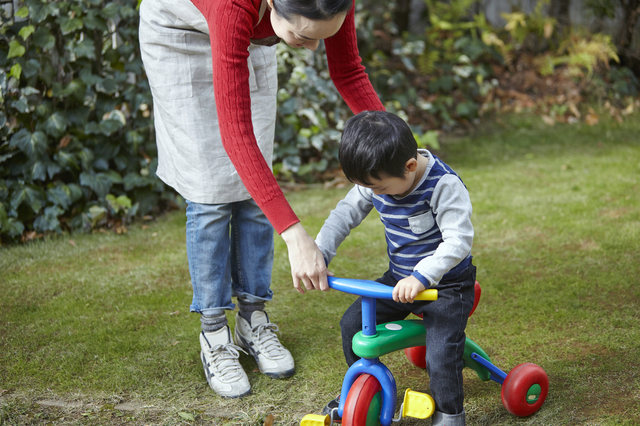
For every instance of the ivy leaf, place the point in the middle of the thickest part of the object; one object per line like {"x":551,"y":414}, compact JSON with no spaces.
{"x":12,"y":227}
{"x":97,"y":213}
{"x":60,"y":196}
{"x":107,"y":85}
{"x":5,"y":157}
{"x":110,"y":10}
{"x":16,"y":71}
{"x":32,"y":144}
{"x":34,"y":197}
{"x":41,"y":11}
{"x":38,"y":171}
{"x":43,"y":38}
{"x":85,"y":49}
{"x":52,"y":169}
{"x":69,"y":25}
{"x":16,"y":50}
{"x":31,"y":68}
{"x":48,"y":221}
{"x":55,"y":125}
{"x":88,"y":77}
{"x":99,"y":183}
{"x":23,"y":12}
{"x":25,"y":32}
{"x":94,"y":22}
{"x":108,"y":127}
{"x":66,"y":160}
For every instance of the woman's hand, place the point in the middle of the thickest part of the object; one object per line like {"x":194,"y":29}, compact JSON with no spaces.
{"x":406,"y":289}
{"x":307,"y":263}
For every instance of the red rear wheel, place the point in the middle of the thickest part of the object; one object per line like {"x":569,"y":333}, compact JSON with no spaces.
{"x":525,"y":389}
{"x":364,"y":402}
{"x":417,"y":356}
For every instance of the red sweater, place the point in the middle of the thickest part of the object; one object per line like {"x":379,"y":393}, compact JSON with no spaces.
{"x":232,"y":24}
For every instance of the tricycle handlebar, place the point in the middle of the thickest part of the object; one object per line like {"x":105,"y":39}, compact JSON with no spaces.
{"x":368,"y":288}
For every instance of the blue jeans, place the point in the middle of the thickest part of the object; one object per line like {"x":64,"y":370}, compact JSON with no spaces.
{"x":230,"y":253}
{"x":445,"y":321}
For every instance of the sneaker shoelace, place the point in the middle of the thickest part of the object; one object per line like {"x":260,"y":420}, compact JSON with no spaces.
{"x":267,"y":340}
{"x":225,"y":360}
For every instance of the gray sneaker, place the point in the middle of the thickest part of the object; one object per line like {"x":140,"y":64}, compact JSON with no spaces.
{"x":260,"y":340}
{"x":221,"y":366}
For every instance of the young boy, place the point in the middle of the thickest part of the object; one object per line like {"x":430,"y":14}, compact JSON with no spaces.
{"x":426,"y":212}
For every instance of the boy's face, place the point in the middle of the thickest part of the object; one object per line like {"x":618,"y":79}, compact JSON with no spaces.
{"x":388,"y":185}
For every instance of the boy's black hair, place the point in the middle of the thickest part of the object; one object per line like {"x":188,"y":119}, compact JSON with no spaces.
{"x":316,"y":10}
{"x":376,"y":143}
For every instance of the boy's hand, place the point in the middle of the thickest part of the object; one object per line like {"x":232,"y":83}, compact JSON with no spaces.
{"x":307,"y":263}
{"x":406,"y":289}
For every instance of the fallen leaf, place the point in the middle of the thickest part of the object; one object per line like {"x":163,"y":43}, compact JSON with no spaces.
{"x":268,"y":421}
{"x":175,"y":343}
{"x":548,"y":120}
{"x":591,"y":119}
{"x":73,"y":243}
{"x":574,"y":109}
{"x":64,"y":141}
{"x":548,"y":30}
{"x":186,"y":416}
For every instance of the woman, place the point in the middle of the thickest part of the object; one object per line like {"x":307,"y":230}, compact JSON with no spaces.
{"x":215,"y":145}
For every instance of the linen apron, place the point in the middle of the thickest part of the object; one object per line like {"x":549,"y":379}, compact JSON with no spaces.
{"x":176,"y":52}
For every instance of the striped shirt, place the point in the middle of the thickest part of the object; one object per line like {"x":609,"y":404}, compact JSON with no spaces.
{"x":428,"y":232}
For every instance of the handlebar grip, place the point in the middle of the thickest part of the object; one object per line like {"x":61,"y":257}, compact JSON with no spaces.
{"x":428,"y":294}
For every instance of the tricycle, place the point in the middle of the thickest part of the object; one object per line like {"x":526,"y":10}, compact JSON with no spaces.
{"x":369,"y":389}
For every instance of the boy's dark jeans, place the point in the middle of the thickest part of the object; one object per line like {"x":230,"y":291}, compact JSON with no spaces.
{"x":444,"y":319}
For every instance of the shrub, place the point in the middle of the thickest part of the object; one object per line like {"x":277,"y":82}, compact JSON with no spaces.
{"x":76,"y":146}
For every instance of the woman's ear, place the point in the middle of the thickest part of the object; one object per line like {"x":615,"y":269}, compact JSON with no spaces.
{"x":411,"y":165}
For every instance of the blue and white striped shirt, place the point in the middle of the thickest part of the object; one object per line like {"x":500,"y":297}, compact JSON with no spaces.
{"x":429,"y":232}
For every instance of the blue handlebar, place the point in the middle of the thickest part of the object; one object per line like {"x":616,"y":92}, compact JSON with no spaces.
{"x":365,"y":288}
{"x":374,"y":289}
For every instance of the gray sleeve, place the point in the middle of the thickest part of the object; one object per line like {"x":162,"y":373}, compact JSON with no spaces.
{"x":348,"y":214}
{"x":452,"y":206}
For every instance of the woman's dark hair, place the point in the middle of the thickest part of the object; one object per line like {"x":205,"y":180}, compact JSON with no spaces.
{"x":376,"y":143}
{"x":317,"y":10}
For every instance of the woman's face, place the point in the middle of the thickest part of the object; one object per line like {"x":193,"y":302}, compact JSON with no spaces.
{"x":303,"y":32}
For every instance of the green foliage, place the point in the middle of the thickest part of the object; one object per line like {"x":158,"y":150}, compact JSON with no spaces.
{"x":580,"y":54}
{"x":310,"y":115}
{"x":439,"y":77}
{"x":75,"y":126}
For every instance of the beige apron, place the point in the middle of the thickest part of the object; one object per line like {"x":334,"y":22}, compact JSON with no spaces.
{"x":176,"y":52}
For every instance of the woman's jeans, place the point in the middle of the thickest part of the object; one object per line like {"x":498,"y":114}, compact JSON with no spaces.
{"x":230,"y":253}
{"x":444,"y":321}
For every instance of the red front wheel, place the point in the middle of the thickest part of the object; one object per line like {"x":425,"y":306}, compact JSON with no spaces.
{"x":524,"y":389}
{"x":364,"y":403}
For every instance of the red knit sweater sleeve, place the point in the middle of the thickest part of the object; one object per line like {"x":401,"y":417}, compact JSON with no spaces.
{"x":347,"y":71}
{"x":231,"y":24}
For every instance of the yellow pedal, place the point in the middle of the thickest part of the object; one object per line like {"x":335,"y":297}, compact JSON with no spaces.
{"x":315,"y":420}
{"x":417,"y":405}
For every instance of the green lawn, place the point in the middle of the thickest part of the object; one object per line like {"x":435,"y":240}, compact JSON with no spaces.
{"x":97,"y":321}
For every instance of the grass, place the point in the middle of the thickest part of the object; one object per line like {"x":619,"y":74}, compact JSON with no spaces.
{"x":99,"y":324}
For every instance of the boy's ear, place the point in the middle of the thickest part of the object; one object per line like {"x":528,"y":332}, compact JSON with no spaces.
{"x":411,"y":165}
